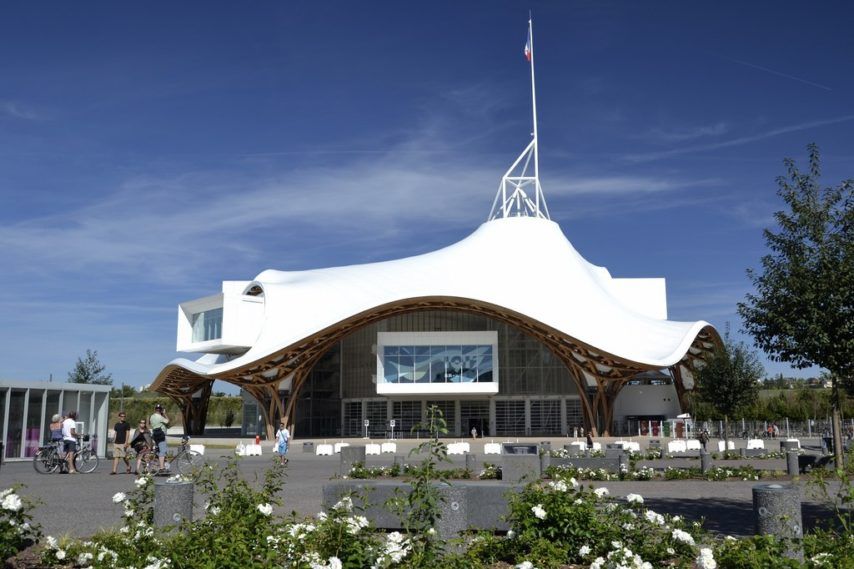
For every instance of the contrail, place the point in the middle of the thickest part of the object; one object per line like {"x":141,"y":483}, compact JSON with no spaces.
{"x":786,"y":75}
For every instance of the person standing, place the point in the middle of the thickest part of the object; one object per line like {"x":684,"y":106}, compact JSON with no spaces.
{"x":474,"y":432}
{"x":56,"y":429}
{"x":159,"y":423}
{"x":121,"y":442}
{"x":283,"y":435}
{"x":69,"y":439}
{"x":141,"y":442}
{"x":589,"y":440}
{"x":704,"y":438}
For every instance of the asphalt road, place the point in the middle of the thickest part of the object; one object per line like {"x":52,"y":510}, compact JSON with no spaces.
{"x":82,"y":504}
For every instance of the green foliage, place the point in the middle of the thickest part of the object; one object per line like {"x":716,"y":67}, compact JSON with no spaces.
{"x":17,"y":530}
{"x":228,"y":419}
{"x":89,"y":369}
{"x":141,"y":406}
{"x":728,"y":381}
{"x":803,"y":308}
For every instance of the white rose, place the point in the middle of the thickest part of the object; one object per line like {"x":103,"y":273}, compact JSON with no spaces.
{"x":12,"y":502}
{"x":119,"y":497}
{"x":584,"y":551}
{"x":634,"y":499}
{"x":539,"y":512}
{"x":525,"y":565}
{"x":600,"y":492}
{"x":60,"y":554}
{"x":265,"y":509}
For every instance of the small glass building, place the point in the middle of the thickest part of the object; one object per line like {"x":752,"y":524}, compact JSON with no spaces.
{"x":27,"y":406}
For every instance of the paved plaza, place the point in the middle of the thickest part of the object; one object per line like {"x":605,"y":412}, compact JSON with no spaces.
{"x":80,"y":505}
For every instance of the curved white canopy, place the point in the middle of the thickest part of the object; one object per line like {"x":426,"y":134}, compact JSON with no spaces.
{"x":523,"y":264}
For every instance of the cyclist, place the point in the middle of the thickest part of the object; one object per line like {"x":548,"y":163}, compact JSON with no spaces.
{"x":69,"y":439}
{"x":141,"y":442}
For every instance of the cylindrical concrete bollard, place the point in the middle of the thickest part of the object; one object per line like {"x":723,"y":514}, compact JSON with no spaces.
{"x":786,"y":446}
{"x":173,"y":503}
{"x":742,"y":452}
{"x":545,"y":462}
{"x":792,"y":467}
{"x":471,"y":461}
{"x":308,"y":447}
{"x":399,"y":460}
{"x":705,"y":462}
{"x":777,"y":510}
{"x":545,"y":446}
{"x":350,"y":456}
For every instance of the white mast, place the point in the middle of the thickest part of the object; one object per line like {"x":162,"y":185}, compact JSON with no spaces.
{"x":511,"y":199}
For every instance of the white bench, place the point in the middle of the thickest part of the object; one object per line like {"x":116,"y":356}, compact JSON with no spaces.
{"x":389,"y":447}
{"x":693,"y":444}
{"x":722,"y":445}
{"x":676,"y":446}
{"x":755,"y":444}
{"x":372,"y":448}
{"x":323,"y":450}
{"x":492,"y":448}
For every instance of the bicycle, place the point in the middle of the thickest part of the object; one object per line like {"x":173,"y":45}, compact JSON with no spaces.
{"x":187,"y":461}
{"x":50,"y":458}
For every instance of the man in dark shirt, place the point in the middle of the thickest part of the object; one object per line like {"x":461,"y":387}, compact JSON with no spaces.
{"x":120,"y":443}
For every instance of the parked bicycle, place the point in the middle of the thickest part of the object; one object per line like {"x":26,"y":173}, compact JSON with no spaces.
{"x":51,"y":457}
{"x":186,"y":461}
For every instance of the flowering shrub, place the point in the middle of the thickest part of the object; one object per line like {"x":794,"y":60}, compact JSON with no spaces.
{"x":17,"y":530}
{"x":490,"y":472}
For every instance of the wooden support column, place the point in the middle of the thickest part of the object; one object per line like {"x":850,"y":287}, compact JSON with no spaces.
{"x":581,"y":384}
{"x":681,"y":392}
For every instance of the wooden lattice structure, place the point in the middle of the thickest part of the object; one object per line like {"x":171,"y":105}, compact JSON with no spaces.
{"x":605,"y":374}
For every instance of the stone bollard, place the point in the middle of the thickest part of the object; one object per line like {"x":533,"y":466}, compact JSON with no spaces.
{"x":545,"y":446}
{"x":545,"y":462}
{"x":705,"y":462}
{"x":471,"y":461}
{"x":308,"y":447}
{"x":398,"y":460}
{"x":786,"y":446}
{"x":777,"y":512}
{"x":792,"y":467}
{"x":742,"y":452}
{"x":350,"y":456}
{"x":173,"y":503}
{"x":518,"y":467}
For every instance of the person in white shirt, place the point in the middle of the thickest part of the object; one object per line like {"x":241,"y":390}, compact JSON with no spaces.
{"x":283,"y":435}
{"x":69,"y":439}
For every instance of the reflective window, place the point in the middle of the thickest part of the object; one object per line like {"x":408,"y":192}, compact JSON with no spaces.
{"x":437,"y":364}
{"x":207,"y":325}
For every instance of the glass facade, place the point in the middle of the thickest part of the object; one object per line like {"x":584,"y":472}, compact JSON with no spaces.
{"x":207,"y":325}
{"x":535,"y":391}
{"x":26,"y":408}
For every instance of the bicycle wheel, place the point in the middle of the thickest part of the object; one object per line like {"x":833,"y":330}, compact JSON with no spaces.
{"x":189,"y":462}
{"x":46,"y":461}
{"x":85,"y":461}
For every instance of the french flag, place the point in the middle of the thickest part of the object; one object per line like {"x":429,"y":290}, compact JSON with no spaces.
{"x":528,"y":52}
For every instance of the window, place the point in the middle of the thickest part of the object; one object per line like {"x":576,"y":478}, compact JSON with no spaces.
{"x":437,"y":364}
{"x":207,"y":325}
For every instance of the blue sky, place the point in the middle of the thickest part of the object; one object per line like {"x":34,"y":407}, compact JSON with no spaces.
{"x":149,"y":151}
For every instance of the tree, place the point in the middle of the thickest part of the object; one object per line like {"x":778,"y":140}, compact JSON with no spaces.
{"x":729,"y":380}
{"x":89,"y":369}
{"x":803,"y":309}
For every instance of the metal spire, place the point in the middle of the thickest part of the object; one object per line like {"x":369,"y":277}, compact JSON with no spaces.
{"x":512,"y":200}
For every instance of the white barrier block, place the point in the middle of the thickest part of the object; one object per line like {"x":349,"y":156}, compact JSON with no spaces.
{"x":693,"y":444}
{"x":323,"y":450}
{"x":252,"y":450}
{"x":676,"y":446}
{"x":492,"y":448}
{"x":456,"y":448}
{"x":339,"y":445}
{"x":579,"y":445}
{"x":722,"y":446}
{"x":389,"y":447}
{"x":597,"y":446}
{"x":795,"y":441}
{"x":372,"y":448}
{"x":198,"y":448}
{"x":755,"y":444}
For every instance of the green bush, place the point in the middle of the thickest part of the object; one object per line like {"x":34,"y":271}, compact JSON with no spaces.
{"x":17,"y":530}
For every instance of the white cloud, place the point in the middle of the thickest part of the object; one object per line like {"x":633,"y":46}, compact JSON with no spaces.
{"x":17,"y":111}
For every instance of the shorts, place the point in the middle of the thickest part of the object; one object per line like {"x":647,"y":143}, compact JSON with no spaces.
{"x":282,"y":449}
{"x":69,"y":446}
{"x":119,"y":450}
{"x":162,"y":447}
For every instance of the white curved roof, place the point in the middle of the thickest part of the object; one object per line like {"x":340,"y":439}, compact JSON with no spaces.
{"x":524,"y":264}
